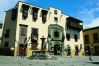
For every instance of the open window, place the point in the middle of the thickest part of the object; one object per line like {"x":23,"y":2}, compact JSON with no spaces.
{"x":35,"y":13}
{"x":25,"y":9}
{"x":14,"y":13}
{"x":34,"y":35}
{"x":44,"y":15}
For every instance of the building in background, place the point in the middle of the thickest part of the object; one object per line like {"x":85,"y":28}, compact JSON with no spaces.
{"x":30,"y":28}
{"x":0,"y":32}
{"x":91,"y":40}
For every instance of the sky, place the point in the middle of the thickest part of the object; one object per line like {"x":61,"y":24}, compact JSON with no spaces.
{"x":85,"y":10}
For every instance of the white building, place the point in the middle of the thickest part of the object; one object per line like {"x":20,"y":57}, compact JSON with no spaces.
{"x":26,"y":25}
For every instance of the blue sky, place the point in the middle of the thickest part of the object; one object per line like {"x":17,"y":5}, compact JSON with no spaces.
{"x":85,"y":10}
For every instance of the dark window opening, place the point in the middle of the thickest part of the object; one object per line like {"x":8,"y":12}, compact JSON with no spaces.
{"x":75,"y":37}
{"x":34,"y":36}
{"x":14,"y":14}
{"x":95,"y":38}
{"x":86,"y":39}
{"x":55,"y":12}
{"x":44,"y":15}
{"x":6,"y":44}
{"x":35,"y":13}
{"x":7,"y":33}
{"x":68,"y":37}
{"x":56,"y":34}
{"x":25,"y":9}
{"x":55,"y":19}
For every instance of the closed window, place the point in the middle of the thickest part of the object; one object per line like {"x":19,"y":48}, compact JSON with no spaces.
{"x":23,"y":31}
{"x":86,"y":39}
{"x":95,"y":38}
{"x":68,"y":36}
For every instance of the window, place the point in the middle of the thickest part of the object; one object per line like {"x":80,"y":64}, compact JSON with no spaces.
{"x":6,"y":44}
{"x":14,"y":14}
{"x":25,"y":9}
{"x":35,"y":13}
{"x":44,"y":16}
{"x":86,"y":39}
{"x":75,"y":37}
{"x":55,"y":19}
{"x":95,"y":37}
{"x":34,"y":35}
{"x":55,"y":12}
{"x":56,"y":34}
{"x":68,"y":37}
{"x":23,"y":31}
{"x":7,"y":33}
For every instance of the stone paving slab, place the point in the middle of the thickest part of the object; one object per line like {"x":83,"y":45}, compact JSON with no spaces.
{"x":62,"y":61}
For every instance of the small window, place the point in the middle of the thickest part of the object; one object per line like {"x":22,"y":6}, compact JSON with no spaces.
{"x":6,"y":44}
{"x":7,"y":33}
{"x":75,"y":37}
{"x":55,"y":19}
{"x":55,"y":12}
{"x":68,"y":37}
{"x":56,"y":34}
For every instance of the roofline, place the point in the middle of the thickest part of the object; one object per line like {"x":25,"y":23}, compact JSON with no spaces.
{"x":43,"y":8}
{"x":92,"y":28}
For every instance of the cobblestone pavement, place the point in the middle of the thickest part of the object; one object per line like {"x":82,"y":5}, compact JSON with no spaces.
{"x":62,"y":61}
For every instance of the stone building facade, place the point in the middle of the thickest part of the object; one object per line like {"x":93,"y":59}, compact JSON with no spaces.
{"x":39,"y":29}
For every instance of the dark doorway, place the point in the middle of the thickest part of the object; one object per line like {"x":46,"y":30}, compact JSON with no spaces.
{"x":76,"y":50}
{"x":57,"y":49}
{"x":96,"y":50}
{"x":21,"y":50}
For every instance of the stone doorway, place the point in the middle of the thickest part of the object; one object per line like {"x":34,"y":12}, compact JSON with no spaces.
{"x":57,"y":49}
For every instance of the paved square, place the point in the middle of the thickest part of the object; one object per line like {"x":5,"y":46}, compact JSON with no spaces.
{"x":62,"y":61}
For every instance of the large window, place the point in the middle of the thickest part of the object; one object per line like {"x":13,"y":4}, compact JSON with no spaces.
{"x":23,"y":31}
{"x":86,"y":39}
{"x":14,"y":14}
{"x":68,"y":36}
{"x":75,"y":37}
{"x":25,"y":9}
{"x":34,"y":35}
{"x":44,"y":16}
{"x":95,"y":37}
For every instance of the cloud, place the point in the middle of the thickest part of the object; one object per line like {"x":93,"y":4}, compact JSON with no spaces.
{"x":94,"y":23}
{"x":89,"y":13}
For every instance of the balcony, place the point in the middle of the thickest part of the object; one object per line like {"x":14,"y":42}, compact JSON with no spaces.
{"x":74,"y":24}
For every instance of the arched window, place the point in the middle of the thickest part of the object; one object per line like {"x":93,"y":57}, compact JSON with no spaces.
{"x":56,"y":34}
